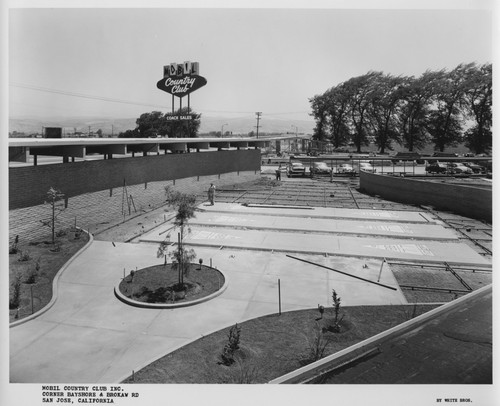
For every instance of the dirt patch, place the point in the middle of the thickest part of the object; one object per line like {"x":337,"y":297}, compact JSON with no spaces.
{"x":32,"y":268}
{"x":160,"y":284}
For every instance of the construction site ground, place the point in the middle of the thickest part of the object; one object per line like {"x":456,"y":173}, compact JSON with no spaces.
{"x":320,"y":235}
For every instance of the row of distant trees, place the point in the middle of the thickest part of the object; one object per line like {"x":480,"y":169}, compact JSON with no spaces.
{"x":166,"y":125}
{"x":439,"y":107}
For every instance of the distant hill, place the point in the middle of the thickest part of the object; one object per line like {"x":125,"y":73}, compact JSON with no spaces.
{"x":241,"y":125}
{"x":30,"y":125}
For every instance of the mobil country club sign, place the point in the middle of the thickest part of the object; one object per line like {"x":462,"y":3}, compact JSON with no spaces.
{"x":181,"y":79}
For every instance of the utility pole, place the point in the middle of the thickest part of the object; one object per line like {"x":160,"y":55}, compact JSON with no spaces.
{"x":258,"y":114}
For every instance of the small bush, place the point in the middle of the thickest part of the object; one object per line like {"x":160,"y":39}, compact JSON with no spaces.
{"x":13,"y":248}
{"x":56,"y":247}
{"x":317,"y":346}
{"x":16,"y":293}
{"x":245,"y":374}
{"x":233,"y":344}
{"x":24,"y":256}
{"x":31,"y":278}
{"x":61,"y":233}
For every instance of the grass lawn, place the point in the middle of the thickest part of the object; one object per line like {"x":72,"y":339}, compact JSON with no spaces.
{"x":273,"y":345}
{"x":35,"y":265}
{"x":156,"y":284}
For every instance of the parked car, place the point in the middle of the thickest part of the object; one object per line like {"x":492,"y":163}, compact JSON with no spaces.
{"x":457,"y":167}
{"x":436,"y":167}
{"x":345,"y":168}
{"x":319,"y":168}
{"x":367,"y":167}
{"x":406,"y":156}
{"x":475,"y":167}
{"x":295,"y":169}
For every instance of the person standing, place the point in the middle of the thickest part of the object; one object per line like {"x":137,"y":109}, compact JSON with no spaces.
{"x":278,"y":173}
{"x":211,"y":194}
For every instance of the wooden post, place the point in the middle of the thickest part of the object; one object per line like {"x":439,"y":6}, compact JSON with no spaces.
{"x":279,"y":296}
{"x":380,"y":273}
{"x":32,"y":306}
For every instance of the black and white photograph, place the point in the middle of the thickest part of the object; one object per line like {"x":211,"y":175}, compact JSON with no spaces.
{"x":247,"y":203}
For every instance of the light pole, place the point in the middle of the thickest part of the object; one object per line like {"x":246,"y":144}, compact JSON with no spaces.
{"x":222,"y":130}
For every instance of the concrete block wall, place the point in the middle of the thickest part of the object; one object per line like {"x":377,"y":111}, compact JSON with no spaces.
{"x":28,"y":185}
{"x":468,"y":201}
{"x":97,"y":211}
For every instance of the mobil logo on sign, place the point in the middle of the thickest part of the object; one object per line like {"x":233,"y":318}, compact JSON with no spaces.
{"x":181,"y":79}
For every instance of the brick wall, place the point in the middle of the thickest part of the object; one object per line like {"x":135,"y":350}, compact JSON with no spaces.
{"x":28,"y":185}
{"x":469,"y":201}
{"x":99,"y":210}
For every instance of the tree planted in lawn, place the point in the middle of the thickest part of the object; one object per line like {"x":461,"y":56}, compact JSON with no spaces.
{"x":184,"y":205}
{"x":54,"y":197}
{"x":336,"y":309}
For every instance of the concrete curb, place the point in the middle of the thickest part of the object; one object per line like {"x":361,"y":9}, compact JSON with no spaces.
{"x":145,"y":305}
{"x":54,"y":286}
{"x":340,"y":358}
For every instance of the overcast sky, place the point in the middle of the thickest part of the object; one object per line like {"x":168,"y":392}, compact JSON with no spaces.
{"x":62,"y":61}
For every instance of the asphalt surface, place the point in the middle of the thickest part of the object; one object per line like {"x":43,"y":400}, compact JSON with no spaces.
{"x":445,"y":350}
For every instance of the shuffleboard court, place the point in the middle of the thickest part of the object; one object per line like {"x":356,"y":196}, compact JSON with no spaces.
{"x":320,"y":212}
{"x":430,"y":231}
{"x":372,"y":247}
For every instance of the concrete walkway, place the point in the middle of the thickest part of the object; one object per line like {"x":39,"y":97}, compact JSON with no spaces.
{"x":91,"y":336}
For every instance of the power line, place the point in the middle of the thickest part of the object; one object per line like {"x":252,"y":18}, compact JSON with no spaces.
{"x":82,"y":95}
{"x":135,"y":103}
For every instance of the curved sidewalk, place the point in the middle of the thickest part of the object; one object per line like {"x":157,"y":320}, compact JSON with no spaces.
{"x":91,"y":336}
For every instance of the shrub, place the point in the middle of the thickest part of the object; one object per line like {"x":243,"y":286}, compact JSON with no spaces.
{"x":317,"y":345}
{"x":233,"y":344}
{"x":61,"y":233}
{"x":31,"y":278}
{"x":56,"y":247}
{"x":245,"y":374}
{"x":16,"y":294}
{"x":336,"y":309}
{"x":24,"y":256}
{"x":13,"y":248}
